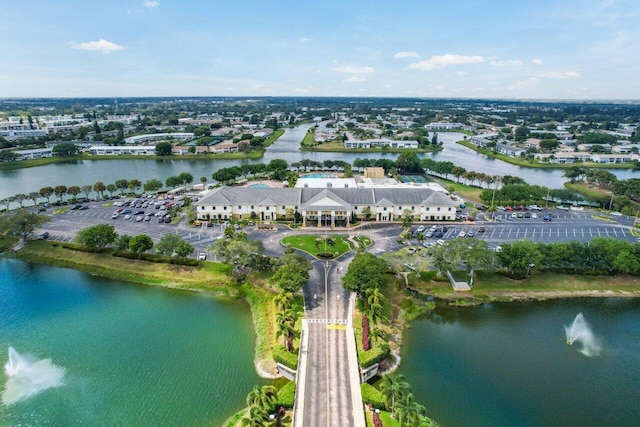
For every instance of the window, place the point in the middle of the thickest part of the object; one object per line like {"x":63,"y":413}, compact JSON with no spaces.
{"x":355,"y":208}
{"x":449,"y":209}
{"x":239,"y":207}
{"x":225,"y":208}
{"x":295,"y":207}
{"x":202,"y":208}
{"x":400,"y":207}
{"x":384,"y":209}
{"x":283,"y":208}
{"x":267,"y":208}
{"x":214,"y":208}
{"x":413,"y":208}
{"x":438,"y":209}
{"x":251,"y":207}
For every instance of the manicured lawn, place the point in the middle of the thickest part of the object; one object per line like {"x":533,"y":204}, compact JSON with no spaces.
{"x":307,"y":243}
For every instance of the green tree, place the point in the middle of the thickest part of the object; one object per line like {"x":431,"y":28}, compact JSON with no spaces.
{"x":99,"y":188}
{"x":65,"y":149}
{"x":74,"y":190}
{"x":96,"y":237}
{"x":122,"y":242}
{"x":60,"y":191}
{"x":292,"y":273}
{"x":135,"y":185}
{"x":122,"y":185}
{"x":140,"y":244}
{"x":167,"y":244}
{"x":407,"y":219}
{"x":22,"y":223}
{"x":163,"y":148}
{"x":152,"y":185}
{"x":365,"y":271}
{"x":183,"y":249}
{"x":111,"y":188}
{"x":46,"y":192}
{"x":393,"y":387}
{"x":86,"y":189}
{"x":518,"y":258}
{"x":408,"y":162}
{"x":34,"y":196}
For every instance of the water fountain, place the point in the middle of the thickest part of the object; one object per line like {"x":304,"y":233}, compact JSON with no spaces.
{"x":28,"y":377}
{"x":579,"y":332}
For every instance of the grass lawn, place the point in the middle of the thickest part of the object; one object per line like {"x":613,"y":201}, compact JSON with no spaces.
{"x":592,"y":193}
{"x":307,"y":243}
{"x":466,"y":191}
{"x":210,"y":276}
{"x":489,"y":287}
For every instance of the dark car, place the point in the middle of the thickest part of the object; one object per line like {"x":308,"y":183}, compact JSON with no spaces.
{"x":83,"y":208}
{"x":547,"y":217}
{"x":75,"y":207}
{"x":126,"y":211}
{"x":43,"y":236}
{"x":481,"y":229}
{"x":438,"y":234}
{"x":138,"y":213}
{"x":167,"y":220}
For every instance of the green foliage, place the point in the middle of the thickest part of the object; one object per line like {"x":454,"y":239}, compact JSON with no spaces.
{"x":140,"y":243}
{"x":364,"y":272}
{"x":375,"y":355}
{"x":373,"y":396}
{"x":158,"y":259}
{"x":22,"y":223}
{"x":163,"y":148}
{"x":287,"y":358}
{"x":287,"y":395}
{"x":292,"y":273}
{"x":97,"y":236}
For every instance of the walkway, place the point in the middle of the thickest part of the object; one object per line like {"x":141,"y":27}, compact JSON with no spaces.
{"x":328,"y":385}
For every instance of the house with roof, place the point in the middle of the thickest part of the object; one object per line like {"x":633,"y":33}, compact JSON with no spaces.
{"x":326,"y":206}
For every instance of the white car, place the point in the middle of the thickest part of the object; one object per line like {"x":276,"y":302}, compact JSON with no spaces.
{"x":616,"y":214}
{"x":440,"y":242}
{"x":462,"y":234}
{"x":534,"y":215}
{"x":202,"y":256}
{"x":127,"y":217}
{"x":420,"y":229}
{"x":139,"y":219}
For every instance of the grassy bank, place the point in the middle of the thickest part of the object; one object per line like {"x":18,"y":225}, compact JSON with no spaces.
{"x":30,"y":163}
{"x":466,"y":191}
{"x":540,"y":286}
{"x":211,"y":277}
{"x":273,"y":137}
{"x":310,"y":144}
{"x":591,"y":193}
{"x":528,"y":164}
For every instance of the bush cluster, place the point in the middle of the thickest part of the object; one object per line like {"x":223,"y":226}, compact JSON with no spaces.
{"x":375,"y":355}
{"x":287,"y":395}
{"x":373,"y":396}
{"x":288,"y":359}
{"x":160,"y":259}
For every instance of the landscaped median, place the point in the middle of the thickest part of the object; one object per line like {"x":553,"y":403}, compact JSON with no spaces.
{"x":325,"y":246}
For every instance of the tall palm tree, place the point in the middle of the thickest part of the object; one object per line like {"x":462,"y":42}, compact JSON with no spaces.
{"x":375,"y":304}
{"x":284,"y":300}
{"x":409,"y":412}
{"x":393,"y":387}
{"x":264,"y":397}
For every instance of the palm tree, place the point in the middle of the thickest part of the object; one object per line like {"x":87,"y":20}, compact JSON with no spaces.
{"x":286,"y":321}
{"x":284,"y":300}
{"x":265,"y":397}
{"x":258,"y":417}
{"x":393,"y":387}
{"x":375,"y":304}
{"x":410,"y":412}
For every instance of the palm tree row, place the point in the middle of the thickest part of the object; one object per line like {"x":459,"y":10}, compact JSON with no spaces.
{"x":262,"y":403}
{"x":398,"y":396}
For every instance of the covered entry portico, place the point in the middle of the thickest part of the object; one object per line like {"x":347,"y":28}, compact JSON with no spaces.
{"x":326,"y":209}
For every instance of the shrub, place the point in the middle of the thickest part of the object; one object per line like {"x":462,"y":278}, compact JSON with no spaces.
{"x":428,"y":275}
{"x":288,"y":359}
{"x":375,"y":355}
{"x":287,"y":395}
{"x":157,"y":258}
{"x":372,"y":396}
{"x":80,"y":248}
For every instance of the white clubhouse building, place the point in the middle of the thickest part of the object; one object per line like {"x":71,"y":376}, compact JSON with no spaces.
{"x":326,"y":206}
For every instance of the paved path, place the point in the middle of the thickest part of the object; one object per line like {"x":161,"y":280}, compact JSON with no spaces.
{"x":328,"y":387}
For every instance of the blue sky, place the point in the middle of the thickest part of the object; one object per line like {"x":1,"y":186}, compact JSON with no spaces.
{"x":542,"y":49}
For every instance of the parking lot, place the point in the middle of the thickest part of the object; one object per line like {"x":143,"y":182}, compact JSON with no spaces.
{"x":64,"y":226}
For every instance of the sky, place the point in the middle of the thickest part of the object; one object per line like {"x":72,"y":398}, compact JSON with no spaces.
{"x":517,"y":49}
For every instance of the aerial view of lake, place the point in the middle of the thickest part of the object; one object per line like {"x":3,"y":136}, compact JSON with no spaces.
{"x":81,"y":350}
{"x":509,"y":364}
{"x":83,"y":172}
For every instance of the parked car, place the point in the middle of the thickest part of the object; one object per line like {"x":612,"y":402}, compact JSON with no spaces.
{"x":462,"y":234}
{"x":139,"y":219}
{"x":428,"y":234}
{"x":438,"y":234}
{"x":563,"y":208}
{"x":76,"y":207}
{"x":147,"y":218}
{"x":534,"y":215}
{"x":420,"y":229}
{"x":547,"y":217}
{"x":616,"y":214}
{"x":481,"y":229}
{"x":411,"y":251}
{"x":139,"y":212}
{"x":527,"y":215}
{"x":115,"y":215}
{"x":126,"y":211}
{"x":202,"y":256}
{"x":43,"y":236}
{"x":127,"y":217}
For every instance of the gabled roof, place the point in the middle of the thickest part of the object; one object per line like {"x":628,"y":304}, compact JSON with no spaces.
{"x":439,"y":199}
{"x":326,"y":200}
{"x":384,"y":202}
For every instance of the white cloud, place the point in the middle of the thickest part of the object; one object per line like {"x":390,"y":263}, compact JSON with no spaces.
{"x":355,"y":79}
{"x":151,"y":4}
{"x":523,"y":84}
{"x":559,"y":75}
{"x":353,"y":70}
{"x":402,"y":55}
{"x":537,"y":61}
{"x":439,"y":61}
{"x":507,"y":63}
{"x":461,"y":73}
{"x":304,"y":40}
{"x":101,"y":45}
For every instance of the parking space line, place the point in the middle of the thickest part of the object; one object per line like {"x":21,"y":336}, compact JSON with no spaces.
{"x":606,"y":231}
{"x":582,"y":229}
{"x":615,"y":232}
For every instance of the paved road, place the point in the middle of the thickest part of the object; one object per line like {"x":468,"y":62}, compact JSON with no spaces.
{"x":327,"y":387}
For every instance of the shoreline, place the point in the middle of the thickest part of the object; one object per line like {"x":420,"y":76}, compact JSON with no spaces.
{"x":525,"y":164}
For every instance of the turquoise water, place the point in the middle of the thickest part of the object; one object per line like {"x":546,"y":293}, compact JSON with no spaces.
{"x":320,"y":175}
{"x":509,"y":364}
{"x":258,"y":186}
{"x":132,"y":355}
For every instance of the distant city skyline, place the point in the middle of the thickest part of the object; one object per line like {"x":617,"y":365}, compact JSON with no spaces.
{"x":489,"y":49}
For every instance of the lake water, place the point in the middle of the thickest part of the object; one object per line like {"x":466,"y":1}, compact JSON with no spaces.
{"x":286,"y":147}
{"x":509,"y":364}
{"x":131,"y":355}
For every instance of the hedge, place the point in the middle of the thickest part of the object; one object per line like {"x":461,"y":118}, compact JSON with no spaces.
{"x":373,"y":396}
{"x":288,"y":359}
{"x":375,"y":355}
{"x":157,"y":258}
{"x":287,"y":395}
